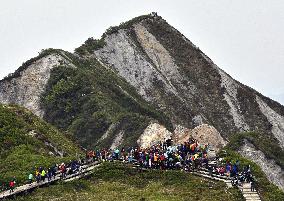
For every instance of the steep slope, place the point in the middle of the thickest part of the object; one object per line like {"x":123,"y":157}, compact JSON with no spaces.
{"x":27,"y":142}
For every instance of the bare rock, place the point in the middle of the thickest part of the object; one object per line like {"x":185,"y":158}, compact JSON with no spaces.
{"x":205,"y":134}
{"x":153,"y":134}
{"x":272,"y":171}
{"x":26,"y":89}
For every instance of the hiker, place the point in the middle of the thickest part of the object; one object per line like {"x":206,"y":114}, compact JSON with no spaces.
{"x":38,"y":176}
{"x":155,"y":160}
{"x":234,"y":171}
{"x":228,"y":169}
{"x":98,"y":155}
{"x":2,"y":186}
{"x":122,"y":151}
{"x":49,"y":174}
{"x":116,"y":154}
{"x":165,"y":144}
{"x":62,"y":170}
{"x":12,"y":185}
{"x":43,"y":174}
{"x":252,"y":184}
{"x":30,"y":178}
{"x":54,"y":170}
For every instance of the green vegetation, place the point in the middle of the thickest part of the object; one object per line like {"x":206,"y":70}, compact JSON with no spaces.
{"x":127,"y":24}
{"x":115,"y":181}
{"x":26,"y":64}
{"x":267,"y":190}
{"x":266,"y":143}
{"x":22,"y":139}
{"x":87,"y":99}
{"x":90,"y":46}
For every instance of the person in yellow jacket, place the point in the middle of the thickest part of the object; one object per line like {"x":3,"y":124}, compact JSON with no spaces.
{"x":155,"y":160}
{"x":43,"y":174}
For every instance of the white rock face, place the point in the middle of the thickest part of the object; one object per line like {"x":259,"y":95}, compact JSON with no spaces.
{"x":275,"y":119}
{"x":117,"y":140}
{"x":163,"y":61}
{"x":205,"y":134}
{"x":230,"y":96}
{"x":26,"y":89}
{"x":122,"y":54}
{"x":109,"y":130}
{"x":272,"y":171}
{"x":153,"y":134}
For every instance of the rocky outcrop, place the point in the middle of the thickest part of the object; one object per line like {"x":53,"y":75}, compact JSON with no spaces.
{"x":153,"y":134}
{"x":205,"y":134}
{"x":26,"y":89}
{"x":273,"y":172}
{"x":275,"y":119}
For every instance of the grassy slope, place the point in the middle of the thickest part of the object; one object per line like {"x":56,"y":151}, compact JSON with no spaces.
{"x":86,"y":100}
{"x":121,"y":182}
{"x":268,"y":191}
{"x":21,"y":152}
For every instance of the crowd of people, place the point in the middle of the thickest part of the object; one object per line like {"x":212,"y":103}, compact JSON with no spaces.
{"x":189,"y":156}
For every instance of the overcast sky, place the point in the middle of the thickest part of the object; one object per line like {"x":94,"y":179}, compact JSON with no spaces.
{"x":243,"y":37}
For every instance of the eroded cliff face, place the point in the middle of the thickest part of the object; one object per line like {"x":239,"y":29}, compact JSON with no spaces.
{"x":273,"y":171}
{"x":26,"y":89}
{"x":275,"y":119}
{"x":152,"y":82}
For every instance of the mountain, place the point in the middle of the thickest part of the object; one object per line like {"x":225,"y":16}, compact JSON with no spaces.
{"x":143,"y":73}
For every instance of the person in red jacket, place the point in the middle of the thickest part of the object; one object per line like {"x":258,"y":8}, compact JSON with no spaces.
{"x":12,"y":186}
